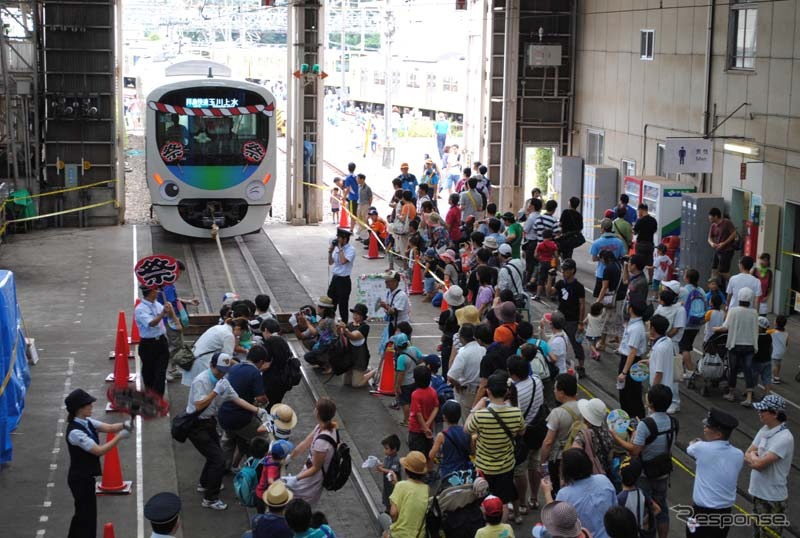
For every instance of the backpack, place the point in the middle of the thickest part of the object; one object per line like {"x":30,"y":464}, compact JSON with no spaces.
{"x":291,"y":375}
{"x":443,"y":390}
{"x":575,"y":427}
{"x":340,"y":356}
{"x":647,"y":527}
{"x":695,"y":307}
{"x":661,"y":464}
{"x":540,"y":365}
{"x":340,"y":466}
{"x":245,"y":482}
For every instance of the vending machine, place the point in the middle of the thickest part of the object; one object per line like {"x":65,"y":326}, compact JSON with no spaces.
{"x":600,"y":185}
{"x":663,"y":199}
{"x":567,"y":179}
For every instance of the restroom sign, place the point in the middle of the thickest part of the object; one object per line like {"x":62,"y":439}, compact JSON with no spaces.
{"x":689,"y":156}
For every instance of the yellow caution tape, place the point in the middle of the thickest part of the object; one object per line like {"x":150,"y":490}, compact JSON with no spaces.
{"x":693,"y":475}
{"x":65,"y":211}
{"x":70,"y":189}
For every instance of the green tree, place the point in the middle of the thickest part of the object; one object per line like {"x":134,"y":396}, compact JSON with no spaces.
{"x":544,"y":164}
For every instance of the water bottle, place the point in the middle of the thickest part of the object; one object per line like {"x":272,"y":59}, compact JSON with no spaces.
{"x":620,"y":384}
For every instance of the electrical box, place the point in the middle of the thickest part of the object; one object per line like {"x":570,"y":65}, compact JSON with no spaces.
{"x":696,"y":253}
{"x":600,"y":185}
{"x":543,"y":55}
{"x":567,"y":179}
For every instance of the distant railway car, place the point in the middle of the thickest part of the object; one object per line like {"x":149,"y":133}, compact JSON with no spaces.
{"x":210,"y":148}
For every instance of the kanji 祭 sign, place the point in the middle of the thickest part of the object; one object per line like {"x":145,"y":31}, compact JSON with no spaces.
{"x":157,"y":270}
{"x":254,"y":151}
{"x":172,"y":151}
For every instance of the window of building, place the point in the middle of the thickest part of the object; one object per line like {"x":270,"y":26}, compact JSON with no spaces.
{"x":395,"y":78}
{"x":379,"y":78}
{"x":431,"y":80}
{"x":412,"y":81}
{"x":661,"y":150}
{"x":647,"y":44}
{"x":627,"y":167}
{"x":450,"y":83}
{"x":595,"y":140}
{"x":742,"y":35}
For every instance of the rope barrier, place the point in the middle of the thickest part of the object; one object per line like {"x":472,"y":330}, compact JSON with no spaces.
{"x":64,"y":212}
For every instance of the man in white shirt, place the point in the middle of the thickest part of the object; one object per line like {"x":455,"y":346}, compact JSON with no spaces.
{"x":743,"y":280}
{"x":717,"y":468}
{"x":510,"y":275}
{"x":632,"y":348}
{"x":770,"y":460}
{"x":661,"y":354}
{"x":675,"y":313}
{"x":341,"y":255}
{"x":219,"y":338}
{"x":464,"y":373}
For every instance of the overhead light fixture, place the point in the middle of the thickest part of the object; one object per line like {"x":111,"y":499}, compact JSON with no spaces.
{"x":738,"y":148}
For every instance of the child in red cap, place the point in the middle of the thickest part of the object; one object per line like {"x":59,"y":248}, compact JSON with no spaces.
{"x":492,"y":508}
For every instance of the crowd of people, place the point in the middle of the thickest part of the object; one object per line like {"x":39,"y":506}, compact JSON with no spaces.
{"x":494,"y":411}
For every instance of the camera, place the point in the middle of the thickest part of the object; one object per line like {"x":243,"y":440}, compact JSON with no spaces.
{"x":335,"y":242}
{"x":625,"y":259}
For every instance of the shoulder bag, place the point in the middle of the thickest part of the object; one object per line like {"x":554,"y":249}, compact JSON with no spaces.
{"x":520,"y":448}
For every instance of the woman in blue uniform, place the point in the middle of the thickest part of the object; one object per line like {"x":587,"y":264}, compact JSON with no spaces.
{"x":85,"y":450}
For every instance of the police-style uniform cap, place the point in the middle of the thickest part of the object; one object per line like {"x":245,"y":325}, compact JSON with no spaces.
{"x":720,"y":420}
{"x":344,"y":232}
{"x":162,"y":507}
{"x":77,"y":399}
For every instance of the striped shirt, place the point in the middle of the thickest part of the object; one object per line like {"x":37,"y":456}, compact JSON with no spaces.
{"x":525,"y":391}
{"x":495,"y":450}
{"x":546,"y":222}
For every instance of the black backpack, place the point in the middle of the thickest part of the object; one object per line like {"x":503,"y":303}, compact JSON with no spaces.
{"x":661,"y":464}
{"x":340,"y":356}
{"x":291,"y":374}
{"x":341,"y":464}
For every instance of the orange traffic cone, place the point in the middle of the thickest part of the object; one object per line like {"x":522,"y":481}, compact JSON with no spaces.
{"x":112,"y":474}
{"x":134,"y":338}
{"x":122,"y":325}
{"x":416,"y":279}
{"x":122,"y":373}
{"x":372,"y":253}
{"x":445,"y":306}
{"x":108,"y":530}
{"x":386,"y":386}
{"x":343,"y":222}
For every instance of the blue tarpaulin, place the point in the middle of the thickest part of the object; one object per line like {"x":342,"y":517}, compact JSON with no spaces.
{"x":14,"y":372}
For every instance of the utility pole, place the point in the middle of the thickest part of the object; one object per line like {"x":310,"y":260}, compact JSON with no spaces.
{"x":342,"y":50}
{"x":388,"y":35}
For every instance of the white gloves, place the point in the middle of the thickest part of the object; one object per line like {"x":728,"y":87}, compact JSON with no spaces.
{"x":124,"y":434}
{"x":291,"y":481}
{"x":128,"y":425}
{"x":262,"y":415}
{"x":222,"y":387}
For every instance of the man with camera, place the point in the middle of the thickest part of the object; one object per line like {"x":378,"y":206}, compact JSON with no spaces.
{"x":341,"y":255}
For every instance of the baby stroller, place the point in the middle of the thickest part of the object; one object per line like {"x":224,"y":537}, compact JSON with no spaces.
{"x":455,"y":510}
{"x":713,"y":366}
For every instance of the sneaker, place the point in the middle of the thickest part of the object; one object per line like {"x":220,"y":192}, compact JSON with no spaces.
{"x":672,"y":409}
{"x":581,"y":371}
{"x":729,"y":396}
{"x":536,"y":298}
{"x":201,"y":489}
{"x":595,"y":355}
{"x":776,"y":380}
{"x":746,"y":403}
{"x":169,"y":377}
{"x":740,"y":375}
{"x":688,"y":375}
{"x":215,"y":505}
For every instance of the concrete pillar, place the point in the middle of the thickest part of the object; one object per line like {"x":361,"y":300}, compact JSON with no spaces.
{"x":508,"y":139}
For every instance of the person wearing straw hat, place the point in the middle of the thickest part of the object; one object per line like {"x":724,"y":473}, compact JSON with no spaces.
{"x":408,"y":501}
{"x":273,"y":523}
{"x":341,"y":255}
{"x":769,"y":457}
{"x":83,"y":443}
{"x":163,"y":511}
{"x":284,"y":419}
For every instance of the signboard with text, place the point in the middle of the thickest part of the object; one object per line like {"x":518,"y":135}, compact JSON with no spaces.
{"x":689,"y":156}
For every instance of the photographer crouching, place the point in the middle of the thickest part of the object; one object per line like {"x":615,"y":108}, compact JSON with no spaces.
{"x":341,"y":255}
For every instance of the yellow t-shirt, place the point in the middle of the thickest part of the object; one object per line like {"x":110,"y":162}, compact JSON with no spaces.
{"x":501,"y":530}
{"x":411,"y":499}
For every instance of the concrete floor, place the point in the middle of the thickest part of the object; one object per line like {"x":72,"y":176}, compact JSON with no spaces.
{"x":71,"y":286}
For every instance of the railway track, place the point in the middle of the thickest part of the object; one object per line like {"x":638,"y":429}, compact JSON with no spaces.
{"x":210,"y":284}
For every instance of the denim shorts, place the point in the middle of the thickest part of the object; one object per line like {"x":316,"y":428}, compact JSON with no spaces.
{"x":762,"y":371}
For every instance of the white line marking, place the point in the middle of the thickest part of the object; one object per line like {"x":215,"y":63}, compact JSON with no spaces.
{"x":139,"y":462}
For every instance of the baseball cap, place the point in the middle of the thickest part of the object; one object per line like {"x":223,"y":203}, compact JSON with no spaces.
{"x":673,"y":285}
{"x":763,"y":322}
{"x":222,"y":361}
{"x":400,"y":340}
{"x":492,"y":506}
{"x":745,"y":295}
{"x":771,"y":402}
{"x":372,"y":211}
{"x":281,"y":448}
{"x":505,"y":249}
{"x":606,"y":224}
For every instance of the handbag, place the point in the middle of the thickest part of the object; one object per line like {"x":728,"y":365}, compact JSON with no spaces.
{"x":183,"y":357}
{"x":520,"y":448}
{"x":182,"y":424}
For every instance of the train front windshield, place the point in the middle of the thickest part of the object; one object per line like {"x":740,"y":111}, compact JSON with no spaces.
{"x":212,"y":140}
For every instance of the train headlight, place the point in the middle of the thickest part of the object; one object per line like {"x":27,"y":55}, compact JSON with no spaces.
{"x":256,"y":190}
{"x":170,"y":190}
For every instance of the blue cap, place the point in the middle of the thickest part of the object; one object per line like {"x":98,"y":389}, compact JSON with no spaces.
{"x":281,"y":448}
{"x":400,"y":340}
{"x":432,"y":359}
{"x":431,"y":252}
